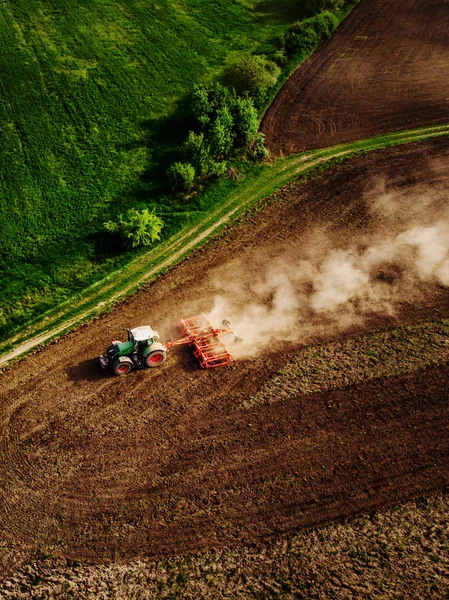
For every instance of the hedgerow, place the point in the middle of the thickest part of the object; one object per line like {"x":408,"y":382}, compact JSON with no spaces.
{"x":303,"y":36}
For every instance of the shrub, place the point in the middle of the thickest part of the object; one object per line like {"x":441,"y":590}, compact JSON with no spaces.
{"x":216,"y":168}
{"x":257,"y":149}
{"x":197,"y":151}
{"x":303,"y":36}
{"x":279,"y":57}
{"x":136,"y":227}
{"x":246,"y":120}
{"x":181,"y":175}
{"x":253,"y":75}
{"x":300,"y":38}
{"x":221,"y":135}
{"x":323,"y":24}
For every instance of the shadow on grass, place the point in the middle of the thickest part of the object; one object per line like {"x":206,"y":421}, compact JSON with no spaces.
{"x":164,"y":137}
{"x":281,"y":12}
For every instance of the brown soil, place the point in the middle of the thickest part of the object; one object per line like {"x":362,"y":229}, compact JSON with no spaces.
{"x":384,"y":69}
{"x":97,"y":467}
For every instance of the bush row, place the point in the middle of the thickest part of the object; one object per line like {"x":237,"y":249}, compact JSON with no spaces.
{"x":304,"y":35}
{"x":226,"y":119}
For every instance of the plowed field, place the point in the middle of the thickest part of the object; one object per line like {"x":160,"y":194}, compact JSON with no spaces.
{"x":385,"y":69}
{"x":305,"y":431}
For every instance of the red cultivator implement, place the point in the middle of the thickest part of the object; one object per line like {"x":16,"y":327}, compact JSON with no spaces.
{"x":205,"y":341}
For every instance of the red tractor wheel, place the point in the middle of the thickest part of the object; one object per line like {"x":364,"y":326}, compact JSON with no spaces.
{"x":155,"y":358}
{"x":122,"y":367}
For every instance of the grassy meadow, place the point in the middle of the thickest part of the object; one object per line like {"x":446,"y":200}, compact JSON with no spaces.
{"x":92,"y":97}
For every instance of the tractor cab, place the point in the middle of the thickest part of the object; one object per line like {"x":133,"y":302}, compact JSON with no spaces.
{"x":142,"y":336}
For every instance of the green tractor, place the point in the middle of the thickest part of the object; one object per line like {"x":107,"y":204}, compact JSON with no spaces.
{"x":142,"y":349}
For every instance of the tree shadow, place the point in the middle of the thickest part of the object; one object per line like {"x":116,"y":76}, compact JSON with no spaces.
{"x":281,"y":12}
{"x":164,"y":137}
{"x":105,"y":245}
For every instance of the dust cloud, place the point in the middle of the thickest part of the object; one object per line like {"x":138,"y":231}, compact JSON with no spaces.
{"x":328,"y":281}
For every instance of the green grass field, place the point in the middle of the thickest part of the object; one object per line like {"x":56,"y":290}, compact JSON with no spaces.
{"x":91,"y":102}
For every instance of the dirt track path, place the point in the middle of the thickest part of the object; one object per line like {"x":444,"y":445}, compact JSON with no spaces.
{"x":98,"y":468}
{"x":383,"y":70}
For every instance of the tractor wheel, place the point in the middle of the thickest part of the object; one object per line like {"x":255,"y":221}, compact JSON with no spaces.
{"x":155,"y":358}
{"x":122,"y":367}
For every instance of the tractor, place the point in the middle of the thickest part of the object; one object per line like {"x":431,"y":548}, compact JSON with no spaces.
{"x":143,"y":348}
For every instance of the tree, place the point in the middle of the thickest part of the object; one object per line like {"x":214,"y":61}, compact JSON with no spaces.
{"x":333,"y":5}
{"x":221,"y":135}
{"x":200,"y":104}
{"x":136,"y":227}
{"x":252,"y":74}
{"x":207,"y":99}
{"x":181,"y":175}
{"x":198,"y":152}
{"x":246,"y":120}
